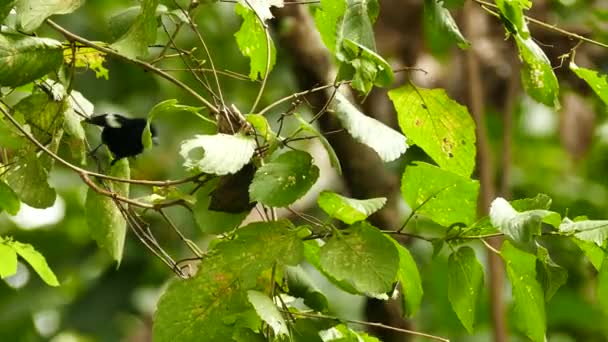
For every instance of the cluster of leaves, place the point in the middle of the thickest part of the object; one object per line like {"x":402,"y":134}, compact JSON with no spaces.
{"x":250,"y":285}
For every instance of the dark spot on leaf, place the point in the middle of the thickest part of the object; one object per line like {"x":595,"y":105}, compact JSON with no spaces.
{"x":463,"y":142}
{"x":450,"y":155}
{"x":418,"y":122}
{"x":423,"y":106}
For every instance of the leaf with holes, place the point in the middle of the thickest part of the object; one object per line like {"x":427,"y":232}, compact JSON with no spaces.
{"x":251,"y":40}
{"x":439,"y":125}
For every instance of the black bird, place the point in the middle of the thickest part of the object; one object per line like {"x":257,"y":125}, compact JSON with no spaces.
{"x":121,"y":135}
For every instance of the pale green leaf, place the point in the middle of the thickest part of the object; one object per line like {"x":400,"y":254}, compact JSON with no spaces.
{"x":268,"y":312}
{"x":32,"y":13}
{"x":388,"y":143}
{"x":364,"y":257}
{"x":409,"y":277}
{"x":465,"y":280}
{"x":520,"y":227}
{"x":8,"y":260}
{"x":134,"y":43}
{"x":348,"y":210}
{"x":24,"y":59}
{"x":9,"y":200}
{"x":218,"y":154}
{"x":529,"y":306}
{"x":597,"y":82}
{"x":251,"y":40}
{"x":439,"y":19}
{"x":439,"y":125}
{"x":588,"y":230}
{"x":37,"y":261}
{"x":284,"y":180}
{"x":432,"y":191}
{"x":107,"y":226}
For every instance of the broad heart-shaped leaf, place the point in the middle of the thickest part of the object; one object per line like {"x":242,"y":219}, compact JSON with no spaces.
{"x":529,"y":306}
{"x":537,"y":75}
{"x":437,"y":124}
{"x":440,"y":20}
{"x":251,"y":39}
{"x":107,"y":225}
{"x":217,"y":154}
{"x":134,"y":43}
{"x":551,"y":275}
{"x":268,"y":312}
{"x":211,"y":221}
{"x":333,"y":157}
{"x":32,"y":13}
{"x":214,"y":301}
{"x":312,"y":253}
{"x":8,"y":259}
{"x":433,"y":191}
{"x":602,"y":285}
{"x":28,"y":178}
{"x":8,"y":199}
{"x":284,"y":180}
{"x":588,"y":230}
{"x":388,"y":143}
{"x":363,"y":256}
{"x":593,"y":78}
{"x":512,"y":16}
{"x":36,"y":260}
{"x":519,"y":227}
{"x":24,"y":59}
{"x":465,"y":279}
{"x":348,"y":210}
{"x":409,"y":277}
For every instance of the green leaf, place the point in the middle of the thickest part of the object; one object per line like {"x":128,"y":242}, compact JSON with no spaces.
{"x":301,"y":285}
{"x":312,"y":253}
{"x":218,"y":154}
{"x":134,"y":43}
{"x":540,"y":201}
{"x":519,"y":227}
{"x":465,"y":280}
{"x":43,"y":114}
{"x":24,"y":59}
{"x":551,"y":275}
{"x":326,"y":19}
{"x":251,"y":39}
{"x":511,"y":13}
{"x":8,"y":199}
{"x":537,"y":74}
{"x":593,"y":78}
{"x":120,"y":22}
{"x":10,"y":138}
{"x":432,"y":191}
{"x":594,"y":253}
{"x":284,"y":180}
{"x":211,"y":221}
{"x":441,"y":21}
{"x":409,"y":277}
{"x":364,"y":67}
{"x":32,"y":13}
{"x":5,"y":7}
{"x":268,"y":312}
{"x":388,"y":143}
{"x":437,"y":124}
{"x":261,"y":126}
{"x":529,"y":307}
{"x":587,"y":230}
{"x":8,"y":260}
{"x":214,"y":301}
{"x":602,"y":286}
{"x":342,"y":333}
{"x":88,"y":58}
{"x":28,"y":178}
{"x":37,"y":261}
{"x":333,"y":158}
{"x":348,"y":210}
{"x":171,"y":107}
{"x":107,"y":226}
{"x":362,"y":256}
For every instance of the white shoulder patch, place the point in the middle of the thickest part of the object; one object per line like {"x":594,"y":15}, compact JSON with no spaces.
{"x":112,"y":121}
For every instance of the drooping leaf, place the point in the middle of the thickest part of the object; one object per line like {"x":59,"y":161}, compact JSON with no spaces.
{"x":106,"y":223}
{"x":218,"y":154}
{"x":439,"y":125}
{"x":37,"y":261}
{"x":520,"y":227}
{"x":537,"y":74}
{"x":529,"y":306}
{"x":284,"y":179}
{"x":409,"y":277}
{"x":348,"y":210}
{"x":433,"y":192}
{"x":593,"y":78}
{"x":32,"y":13}
{"x":24,"y":59}
{"x":9,"y":200}
{"x":551,"y":275}
{"x":511,"y":13}
{"x":388,"y":143}
{"x":587,"y":230}
{"x":465,"y":279}
{"x":212,"y":221}
{"x":362,"y":256}
{"x":268,"y":312}
{"x":441,"y":21}
{"x":251,"y":39}
{"x":8,"y":260}
{"x":134,"y":43}
{"x":333,"y":157}
{"x":302,"y":285}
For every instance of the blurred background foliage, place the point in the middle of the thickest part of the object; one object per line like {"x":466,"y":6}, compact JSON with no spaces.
{"x":99,"y":301}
